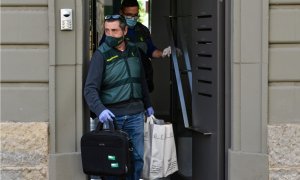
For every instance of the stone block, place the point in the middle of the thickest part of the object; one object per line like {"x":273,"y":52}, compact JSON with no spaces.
{"x":284,"y":147}
{"x":23,"y":145}
{"x":247,"y":166}
{"x":24,"y":173}
{"x":285,"y":174}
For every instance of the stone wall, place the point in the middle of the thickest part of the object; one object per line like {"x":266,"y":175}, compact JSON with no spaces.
{"x":284,"y":90}
{"x":24,"y":151}
{"x":284,"y":151}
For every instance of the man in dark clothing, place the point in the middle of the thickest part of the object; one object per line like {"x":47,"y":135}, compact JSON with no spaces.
{"x":140,"y":35}
{"x":116,"y":87}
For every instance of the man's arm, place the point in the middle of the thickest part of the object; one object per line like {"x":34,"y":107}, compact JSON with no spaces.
{"x":93,"y":83}
{"x":152,"y":50}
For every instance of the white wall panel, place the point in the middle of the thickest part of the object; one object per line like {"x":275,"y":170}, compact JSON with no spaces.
{"x":21,"y":64}
{"x":284,"y":1}
{"x":284,"y":63}
{"x":65,"y":109}
{"x":251,"y":36}
{"x":23,"y":2}
{"x":284,"y":101}
{"x":24,"y":25}
{"x":24,"y":102}
{"x":251,"y":108}
{"x":285,"y":24}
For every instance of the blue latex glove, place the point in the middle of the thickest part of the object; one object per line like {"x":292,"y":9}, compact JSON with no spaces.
{"x":149,"y":111}
{"x":106,"y":115}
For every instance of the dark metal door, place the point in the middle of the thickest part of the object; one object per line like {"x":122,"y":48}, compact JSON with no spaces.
{"x":207,"y":52}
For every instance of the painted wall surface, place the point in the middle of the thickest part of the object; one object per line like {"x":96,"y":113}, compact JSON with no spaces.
{"x":248,"y":158}
{"x":284,"y":89}
{"x":265,"y":89}
{"x":24,"y":89}
{"x":41,"y":90}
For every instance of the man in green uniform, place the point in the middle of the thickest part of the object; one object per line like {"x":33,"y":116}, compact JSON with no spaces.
{"x":116,"y":87}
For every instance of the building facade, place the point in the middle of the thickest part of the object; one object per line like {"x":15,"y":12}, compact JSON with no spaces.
{"x":43,"y":71}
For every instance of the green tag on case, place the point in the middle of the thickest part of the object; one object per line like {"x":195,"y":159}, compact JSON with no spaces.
{"x":111,"y":158}
{"x":114,"y":165}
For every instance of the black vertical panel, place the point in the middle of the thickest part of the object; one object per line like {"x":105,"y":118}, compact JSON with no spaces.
{"x":116,"y":6}
{"x":208,"y":88}
{"x":94,"y":37}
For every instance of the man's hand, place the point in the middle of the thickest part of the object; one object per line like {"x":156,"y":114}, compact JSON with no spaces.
{"x":166,"y":52}
{"x":149,"y":111}
{"x":106,"y":115}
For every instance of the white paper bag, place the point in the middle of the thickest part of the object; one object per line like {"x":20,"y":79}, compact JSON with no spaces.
{"x":160,"y":152}
{"x":147,"y":147}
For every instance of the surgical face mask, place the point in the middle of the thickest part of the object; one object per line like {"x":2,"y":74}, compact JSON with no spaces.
{"x":113,"y":41}
{"x":131,"y":22}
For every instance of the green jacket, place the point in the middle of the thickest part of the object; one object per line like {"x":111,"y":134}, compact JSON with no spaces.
{"x":121,"y":78}
{"x":124,"y":92}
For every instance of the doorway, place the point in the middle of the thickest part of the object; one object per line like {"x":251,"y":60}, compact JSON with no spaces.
{"x":201,"y":147}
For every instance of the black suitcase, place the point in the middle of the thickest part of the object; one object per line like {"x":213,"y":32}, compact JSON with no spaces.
{"x":106,"y":152}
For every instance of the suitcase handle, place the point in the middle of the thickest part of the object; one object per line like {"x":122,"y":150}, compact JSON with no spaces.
{"x":112,"y":125}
